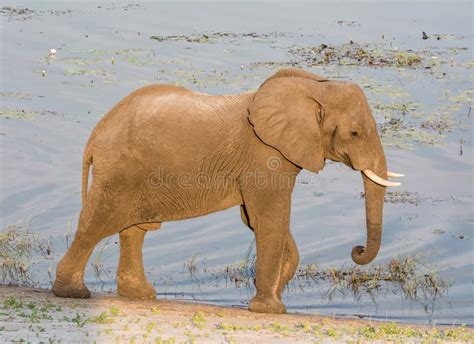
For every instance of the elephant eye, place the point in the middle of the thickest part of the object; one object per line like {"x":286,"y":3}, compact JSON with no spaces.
{"x":354,"y":133}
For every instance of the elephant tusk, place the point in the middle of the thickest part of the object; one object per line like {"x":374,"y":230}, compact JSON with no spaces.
{"x":394,"y":175}
{"x":376,"y":179}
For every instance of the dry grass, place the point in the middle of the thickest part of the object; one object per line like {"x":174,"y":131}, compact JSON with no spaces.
{"x":17,"y":247}
{"x":409,"y":277}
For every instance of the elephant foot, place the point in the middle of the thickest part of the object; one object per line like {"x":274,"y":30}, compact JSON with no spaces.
{"x":71,"y":290}
{"x":136,"y":290}
{"x":266,"y":305}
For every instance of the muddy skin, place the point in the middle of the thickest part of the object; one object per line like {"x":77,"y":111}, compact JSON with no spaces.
{"x":344,"y":130}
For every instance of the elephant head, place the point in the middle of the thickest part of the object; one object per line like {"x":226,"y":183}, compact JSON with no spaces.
{"x":308,"y":119}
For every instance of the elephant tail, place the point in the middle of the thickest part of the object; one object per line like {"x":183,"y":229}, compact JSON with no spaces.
{"x":86,"y":163}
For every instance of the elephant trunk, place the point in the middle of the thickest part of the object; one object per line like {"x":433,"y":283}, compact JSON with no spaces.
{"x":374,"y":201}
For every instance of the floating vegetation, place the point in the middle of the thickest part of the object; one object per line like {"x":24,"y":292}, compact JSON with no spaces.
{"x":137,"y":60}
{"x":97,"y":57}
{"x":26,"y":115}
{"x":74,"y":61}
{"x":270,"y":64}
{"x":404,"y":126}
{"x":439,"y":124}
{"x":353,"y":53}
{"x":402,"y":108}
{"x":212,"y":37}
{"x":387,"y":91}
{"x":192,"y":38}
{"x":396,"y":133}
{"x":348,"y":23}
{"x":134,"y":56}
{"x":16,"y":95}
{"x":444,"y":36}
{"x":406,"y":197}
{"x":86,"y":72}
{"x":469,"y":64}
{"x":466,"y":96}
{"x":199,"y":79}
{"x":17,"y":13}
{"x":19,"y":114}
{"x":24,"y":13}
{"x":405,"y":58}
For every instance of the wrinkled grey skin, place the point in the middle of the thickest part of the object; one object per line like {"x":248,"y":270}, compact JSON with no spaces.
{"x":165,"y":153}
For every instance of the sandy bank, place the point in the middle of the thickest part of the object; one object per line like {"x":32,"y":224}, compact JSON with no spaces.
{"x":36,"y":315}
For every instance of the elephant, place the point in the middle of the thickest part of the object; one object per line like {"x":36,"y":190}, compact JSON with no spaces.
{"x":166,"y":153}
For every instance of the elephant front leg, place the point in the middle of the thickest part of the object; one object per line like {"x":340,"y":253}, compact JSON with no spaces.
{"x":131,"y":279}
{"x":289,"y":264}
{"x":270,"y":242}
{"x":290,"y":259}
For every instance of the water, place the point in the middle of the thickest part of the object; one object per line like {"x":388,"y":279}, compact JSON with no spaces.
{"x":41,"y":155}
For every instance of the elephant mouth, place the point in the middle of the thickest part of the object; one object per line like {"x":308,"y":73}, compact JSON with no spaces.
{"x":346,"y":159}
{"x":381,"y":181}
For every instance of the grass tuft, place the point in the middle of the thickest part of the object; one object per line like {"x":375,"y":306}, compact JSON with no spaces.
{"x":199,"y":320}
{"x":17,"y":246}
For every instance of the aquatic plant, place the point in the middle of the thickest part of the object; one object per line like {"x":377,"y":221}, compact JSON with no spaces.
{"x":405,"y":58}
{"x":241,"y":274}
{"x":191,"y":266}
{"x":213,"y":37}
{"x":407,"y":276}
{"x":98,"y":264}
{"x":19,"y":114}
{"x":353,"y":53}
{"x":17,"y":246}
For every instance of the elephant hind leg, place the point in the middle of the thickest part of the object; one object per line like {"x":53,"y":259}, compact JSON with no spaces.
{"x":289,"y":265}
{"x":69,"y":280}
{"x":245,"y":216}
{"x":97,"y":221}
{"x":131,"y":279}
{"x":149,"y":226}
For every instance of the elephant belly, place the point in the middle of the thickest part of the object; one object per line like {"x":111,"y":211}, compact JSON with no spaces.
{"x":178,"y":204}
{"x":170,"y":196}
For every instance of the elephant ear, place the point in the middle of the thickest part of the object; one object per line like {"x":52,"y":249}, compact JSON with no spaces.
{"x":286,"y":116}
